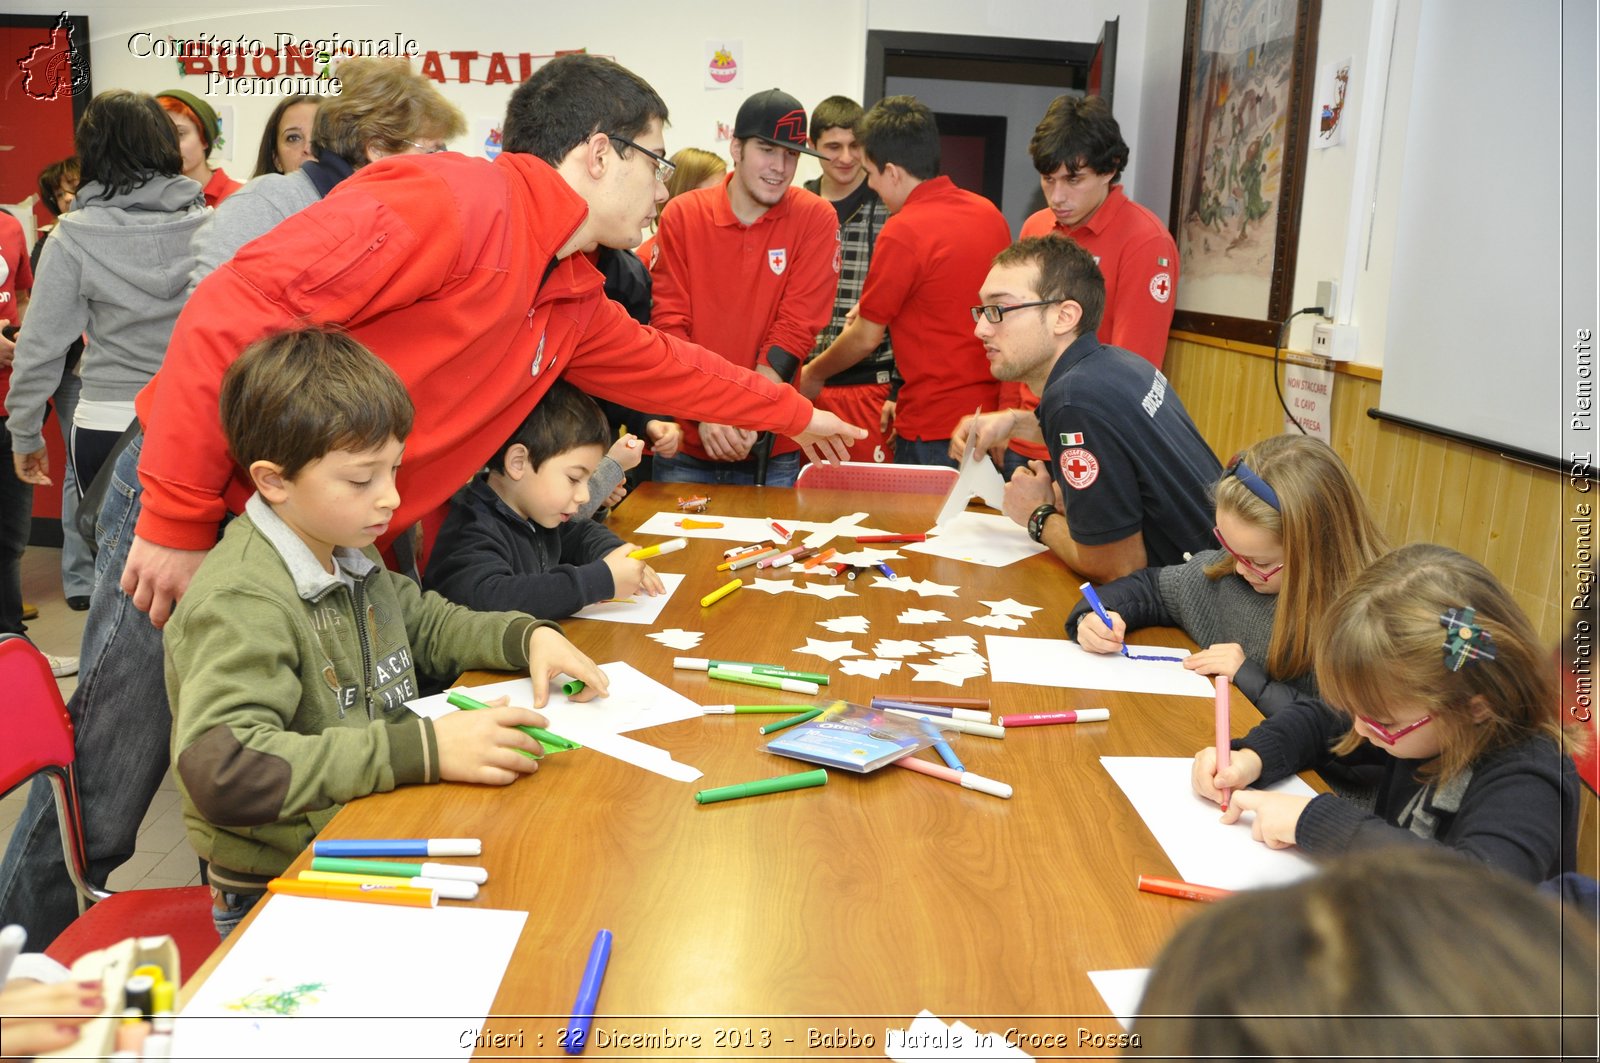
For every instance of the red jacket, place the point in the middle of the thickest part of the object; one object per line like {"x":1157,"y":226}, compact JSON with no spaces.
{"x":739,"y":289}
{"x":434,"y":262}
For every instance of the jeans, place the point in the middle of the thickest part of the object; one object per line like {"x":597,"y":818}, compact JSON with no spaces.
{"x":16,"y":516}
{"x":229,"y":909}
{"x":923,"y":452}
{"x":1012,"y":462}
{"x":122,"y":731}
{"x":77,"y":560}
{"x":782,"y":470}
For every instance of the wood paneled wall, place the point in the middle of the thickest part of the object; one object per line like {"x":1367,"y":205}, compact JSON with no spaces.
{"x":1421,"y":487}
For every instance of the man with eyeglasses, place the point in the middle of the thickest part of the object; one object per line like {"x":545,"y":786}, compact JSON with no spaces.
{"x":929,"y":259}
{"x":466,"y":277}
{"x":747,"y":268}
{"x":1128,"y":484}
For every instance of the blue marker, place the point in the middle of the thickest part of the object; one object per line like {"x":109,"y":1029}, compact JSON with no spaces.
{"x":588,"y":994}
{"x":1099,"y":608}
{"x":886,"y":570}
{"x":399,"y":847}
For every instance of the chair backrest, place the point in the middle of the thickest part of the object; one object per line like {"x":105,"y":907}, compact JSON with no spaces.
{"x":37,"y":728}
{"x":882,"y":478}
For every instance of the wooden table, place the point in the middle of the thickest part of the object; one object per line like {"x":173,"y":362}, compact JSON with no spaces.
{"x":767,"y":925}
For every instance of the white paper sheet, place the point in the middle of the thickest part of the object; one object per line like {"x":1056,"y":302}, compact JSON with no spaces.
{"x":1060,"y":663}
{"x":636,"y":701}
{"x":980,"y":538}
{"x":643,"y":609}
{"x":1205,"y":851}
{"x":979,"y":479}
{"x":1121,"y":990}
{"x":353,"y":954}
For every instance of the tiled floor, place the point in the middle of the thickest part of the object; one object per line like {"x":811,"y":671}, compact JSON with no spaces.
{"x":163,"y":856}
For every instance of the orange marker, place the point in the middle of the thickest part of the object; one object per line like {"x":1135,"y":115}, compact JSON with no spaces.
{"x":408,"y":896}
{"x":1172,"y":887}
{"x":813,"y":562}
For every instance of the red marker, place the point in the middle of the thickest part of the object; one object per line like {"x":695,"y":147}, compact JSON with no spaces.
{"x":783,"y":533}
{"x":1222,"y":733}
{"x":1035,"y":719}
{"x":1172,"y":887}
{"x":891,"y":538}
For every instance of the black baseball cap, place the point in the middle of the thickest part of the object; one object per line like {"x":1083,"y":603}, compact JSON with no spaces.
{"x":776,"y":117}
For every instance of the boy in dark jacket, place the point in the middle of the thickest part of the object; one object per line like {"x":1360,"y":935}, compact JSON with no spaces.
{"x":513,"y":539}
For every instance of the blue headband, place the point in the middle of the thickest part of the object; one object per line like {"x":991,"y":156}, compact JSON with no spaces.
{"x":1256,"y":484}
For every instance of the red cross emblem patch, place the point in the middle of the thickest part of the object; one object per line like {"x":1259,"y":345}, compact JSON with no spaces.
{"x":1079,"y":467}
{"x":777,"y":259}
{"x":1161,"y":287}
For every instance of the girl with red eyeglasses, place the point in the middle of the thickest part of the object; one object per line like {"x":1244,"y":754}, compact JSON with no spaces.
{"x":1292,"y":530}
{"x":1427,"y":659}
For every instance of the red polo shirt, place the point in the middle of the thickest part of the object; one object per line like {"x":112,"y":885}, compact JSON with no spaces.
{"x":929,"y":262}
{"x":739,"y":289}
{"x":16,"y":277}
{"x":1139,"y":260}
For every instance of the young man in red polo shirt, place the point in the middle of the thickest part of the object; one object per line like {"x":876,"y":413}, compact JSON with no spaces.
{"x":748,"y":269}
{"x":929,"y":262}
{"x":1080,"y":155}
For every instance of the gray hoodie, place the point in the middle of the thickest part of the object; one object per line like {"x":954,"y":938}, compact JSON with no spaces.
{"x":118,"y":268}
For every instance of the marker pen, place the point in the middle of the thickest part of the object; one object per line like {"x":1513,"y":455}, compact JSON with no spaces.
{"x":782,"y":532}
{"x":800,"y":781}
{"x":362,"y":847}
{"x":703,"y":664}
{"x":813,"y":562}
{"x":1099,"y":608}
{"x":721,"y":592}
{"x":752,"y":559}
{"x":744,"y":710}
{"x":572,"y":686}
{"x":975,"y":715}
{"x":427,"y":869}
{"x":739,"y":551}
{"x":1035,"y":719}
{"x":773,"y":670}
{"x":959,"y":703}
{"x":447,"y":889}
{"x":772,"y":682}
{"x":891,"y":538}
{"x":671,"y":546}
{"x":965,"y":779}
{"x":792,"y":721}
{"x":886,"y":570}
{"x":594,"y":972}
{"x":405,"y":896}
{"x":778,"y":559}
{"x":1172,"y":887}
{"x":987,"y":730}
{"x":1223,"y":730}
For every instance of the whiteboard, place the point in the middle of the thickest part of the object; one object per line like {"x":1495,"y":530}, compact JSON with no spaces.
{"x":1482,"y":278}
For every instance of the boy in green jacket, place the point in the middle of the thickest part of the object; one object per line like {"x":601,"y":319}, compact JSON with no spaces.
{"x":291,"y":657}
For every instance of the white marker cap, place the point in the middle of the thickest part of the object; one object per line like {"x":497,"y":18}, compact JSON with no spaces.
{"x":452,"y":889}
{"x":717,"y":710}
{"x":455,"y":872}
{"x":698,"y":664}
{"x":799,"y":686}
{"x":672,"y":546}
{"x":1093,"y":715}
{"x":985,"y":786}
{"x":975,"y":715}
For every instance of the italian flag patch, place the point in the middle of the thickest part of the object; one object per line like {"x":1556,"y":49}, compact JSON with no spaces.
{"x":1072,"y":439}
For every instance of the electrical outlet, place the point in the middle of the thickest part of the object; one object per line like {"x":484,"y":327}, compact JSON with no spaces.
{"x":1327,"y":295}
{"x":1322,"y":339}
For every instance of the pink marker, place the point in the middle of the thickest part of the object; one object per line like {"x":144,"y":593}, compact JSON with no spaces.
{"x":1036,"y":719}
{"x":1222,"y":733}
{"x":964,"y":779}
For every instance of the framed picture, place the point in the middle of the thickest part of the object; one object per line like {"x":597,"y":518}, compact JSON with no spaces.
{"x":1244,"y":120}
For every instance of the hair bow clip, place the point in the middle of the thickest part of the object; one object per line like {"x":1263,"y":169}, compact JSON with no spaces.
{"x":1465,"y":642}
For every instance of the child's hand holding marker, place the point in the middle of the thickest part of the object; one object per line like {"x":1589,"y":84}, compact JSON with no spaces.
{"x":630,"y":575}
{"x":1094,"y":636}
{"x":1277,"y":815}
{"x":1244,"y":768}
{"x":549,"y":655}
{"x":1225,"y":658}
{"x":483,"y":747}
{"x":626,"y":451}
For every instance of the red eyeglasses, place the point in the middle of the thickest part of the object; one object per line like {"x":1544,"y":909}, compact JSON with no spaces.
{"x":1388,"y":737}
{"x":1262,"y":575}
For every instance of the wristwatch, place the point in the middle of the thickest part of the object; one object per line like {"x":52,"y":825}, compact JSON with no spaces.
{"x":1036,"y":521}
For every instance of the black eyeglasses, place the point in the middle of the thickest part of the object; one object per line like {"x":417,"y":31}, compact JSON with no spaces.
{"x":664,"y":166}
{"x":993,"y":312}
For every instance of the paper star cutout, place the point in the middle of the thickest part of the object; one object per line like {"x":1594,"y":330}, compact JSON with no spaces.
{"x":845,"y":625}
{"x":831,"y":651}
{"x":968,"y":664}
{"x":868,"y":668}
{"x":771,"y":586}
{"x":929,"y":589}
{"x":998,"y":621}
{"x":903,"y":585}
{"x":677,"y":638}
{"x":1011,"y":607}
{"x":896,"y":648}
{"x":849,"y":527}
{"x":933,"y":673}
{"x":954,"y":644}
{"x":826,"y":591}
{"x":866,"y":557}
{"x":922,"y":616}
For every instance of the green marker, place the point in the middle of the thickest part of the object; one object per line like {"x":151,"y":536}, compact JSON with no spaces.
{"x":773,"y":682}
{"x":809,"y":714}
{"x":572,"y":687}
{"x":729,"y":710}
{"x":552,"y":743}
{"x":799,"y":781}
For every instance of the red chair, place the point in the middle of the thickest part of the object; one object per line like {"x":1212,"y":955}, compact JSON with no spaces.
{"x":39,"y":740}
{"x":883,"y":478}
